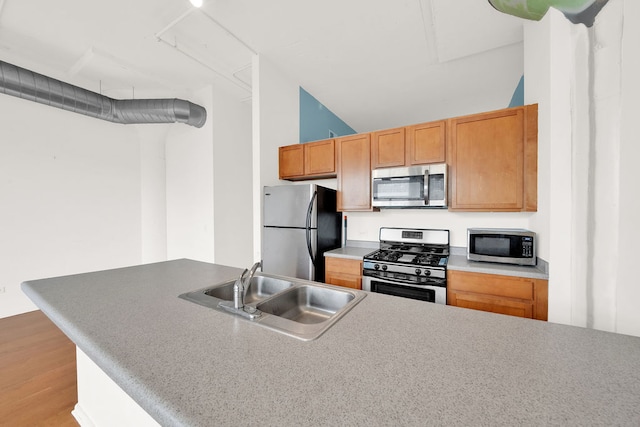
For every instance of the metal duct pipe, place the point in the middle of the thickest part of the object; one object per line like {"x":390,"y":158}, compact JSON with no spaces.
{"x":35,"y":87}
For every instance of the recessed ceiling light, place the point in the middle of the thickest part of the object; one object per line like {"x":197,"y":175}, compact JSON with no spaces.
{"x":196,"y":3}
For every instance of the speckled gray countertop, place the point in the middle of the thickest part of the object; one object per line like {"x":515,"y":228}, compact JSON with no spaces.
{"x":461,"y":263}
{"x":389,"y":361}
{"x":349,"y":252}
{"x":457,"y":261}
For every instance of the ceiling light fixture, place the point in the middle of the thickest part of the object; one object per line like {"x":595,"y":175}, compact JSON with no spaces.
{"x":196,"y":3}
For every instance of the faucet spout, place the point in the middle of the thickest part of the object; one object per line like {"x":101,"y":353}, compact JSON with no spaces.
{"x":252,"y":272}
{"x":242,"y":285}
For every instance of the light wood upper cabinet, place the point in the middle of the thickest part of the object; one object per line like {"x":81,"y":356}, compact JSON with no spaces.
{"x":426,"y":143}
{"x":493,"y":161}
{"x":388,"y":148}
{"x":514,"y":296}
{"x":308,"y":161}
{"x":291,"y":161}
{"x":412,"y":145}
{"x":320,"y":158}
{"x":354,"y":172}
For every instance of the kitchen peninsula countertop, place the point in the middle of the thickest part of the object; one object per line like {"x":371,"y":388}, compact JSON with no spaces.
{"x":389,"y":361}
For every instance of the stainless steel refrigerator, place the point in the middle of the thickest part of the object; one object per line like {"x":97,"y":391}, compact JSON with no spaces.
{"x":300,"y":224}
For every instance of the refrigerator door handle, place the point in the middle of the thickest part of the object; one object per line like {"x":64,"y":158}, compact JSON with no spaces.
{"x":308,"y":231}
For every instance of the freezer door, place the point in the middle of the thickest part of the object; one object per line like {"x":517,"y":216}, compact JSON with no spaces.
{"x":288,"y":205}
{"x":284,"y":252}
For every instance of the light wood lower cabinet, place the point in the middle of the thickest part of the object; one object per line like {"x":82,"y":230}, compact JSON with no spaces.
{"x":343,"y":272}
{"x":514,"y":296}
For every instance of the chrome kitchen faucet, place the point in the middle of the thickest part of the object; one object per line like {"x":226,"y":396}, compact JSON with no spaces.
{"x":240,"y":288}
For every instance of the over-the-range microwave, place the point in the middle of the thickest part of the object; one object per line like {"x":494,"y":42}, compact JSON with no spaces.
{"x":423,"y":186}
{"x":502,"y":245}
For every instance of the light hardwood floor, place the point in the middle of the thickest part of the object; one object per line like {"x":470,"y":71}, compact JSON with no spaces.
{"x":38,"y":384}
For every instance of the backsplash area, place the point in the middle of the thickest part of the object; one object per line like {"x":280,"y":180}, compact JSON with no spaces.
{"x":366,"y":225}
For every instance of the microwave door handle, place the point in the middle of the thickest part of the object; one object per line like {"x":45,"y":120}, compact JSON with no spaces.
{"x":426,"y":187}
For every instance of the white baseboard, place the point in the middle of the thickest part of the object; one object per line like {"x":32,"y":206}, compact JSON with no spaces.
{"x":81,"y":416}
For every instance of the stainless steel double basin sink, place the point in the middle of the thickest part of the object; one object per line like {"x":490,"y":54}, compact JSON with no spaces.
{"x":295,"y":307}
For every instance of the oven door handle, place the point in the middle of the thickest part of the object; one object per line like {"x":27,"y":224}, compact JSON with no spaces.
{"x":431,"y":282}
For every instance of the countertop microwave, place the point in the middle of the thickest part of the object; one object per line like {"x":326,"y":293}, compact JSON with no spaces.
{"x":423,"y":186}
{"x":502,"y":245}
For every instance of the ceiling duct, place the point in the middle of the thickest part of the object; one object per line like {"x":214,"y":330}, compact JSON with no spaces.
{"x":35,"y":87}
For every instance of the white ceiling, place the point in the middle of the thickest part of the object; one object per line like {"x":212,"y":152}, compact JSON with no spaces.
{"x":375,"y":63}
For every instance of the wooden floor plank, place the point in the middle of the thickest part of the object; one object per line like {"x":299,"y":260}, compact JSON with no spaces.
{"x":38,"y":385}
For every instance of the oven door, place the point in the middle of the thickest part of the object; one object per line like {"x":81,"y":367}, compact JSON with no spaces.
{"x":435,"y":294}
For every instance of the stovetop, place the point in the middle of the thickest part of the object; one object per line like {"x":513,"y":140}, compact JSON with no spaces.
{"x":409,"y":253}
{"x":422,"y":256}
{"x":410,"y":256}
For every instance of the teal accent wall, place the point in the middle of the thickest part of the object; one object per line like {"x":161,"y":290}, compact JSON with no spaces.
{"x":318,"y":122}
{"x":518,"y":95}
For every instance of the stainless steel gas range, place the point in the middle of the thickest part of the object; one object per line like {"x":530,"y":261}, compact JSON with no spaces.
{"x":410,"y":263}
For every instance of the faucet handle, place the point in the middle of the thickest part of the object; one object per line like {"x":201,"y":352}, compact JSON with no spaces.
{"x":239,"y":291}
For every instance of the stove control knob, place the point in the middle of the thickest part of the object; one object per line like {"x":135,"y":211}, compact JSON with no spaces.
{"x":377,"y":266}
{"x":418,"y":271}
{"x":427,"y":273}
{"x":384,"y":267}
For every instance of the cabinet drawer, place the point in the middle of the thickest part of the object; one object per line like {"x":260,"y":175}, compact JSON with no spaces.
{"x":347,"y":281}
{"x":343,"y":266}
{"x":492,"y":304}
{"x":491,"y":284}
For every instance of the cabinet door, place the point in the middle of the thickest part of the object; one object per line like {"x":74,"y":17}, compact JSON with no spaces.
{"x":343,"y":272}
{"x":291,"y":161}
{"x":320,"y":158}
{"x":487,"y":161}
{"x":388,"y":148}
{"x":426,"y":143}
{"x":354,"y":173}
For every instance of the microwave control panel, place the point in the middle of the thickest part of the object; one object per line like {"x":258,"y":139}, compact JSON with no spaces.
{"x":527,"y":247}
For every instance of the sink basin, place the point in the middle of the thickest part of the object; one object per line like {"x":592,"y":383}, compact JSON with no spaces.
{"x":307,"y":304}
{"x":295,"y":307}
{"x":261,"y":288}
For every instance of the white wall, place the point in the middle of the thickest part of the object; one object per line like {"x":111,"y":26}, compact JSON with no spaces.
{"x":153,"y":191}
{"x":548,"y":53}
{"x":189,"y":184}
{"x":366,"y":225}
{"x":208,"y":183}
{"x":233,"y":180}
{"x":80,"y":194}
{"x":628,"y":290}
{"x":587,"y":88}
{"x":69,"y":194}
{"x":276,"y":122}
